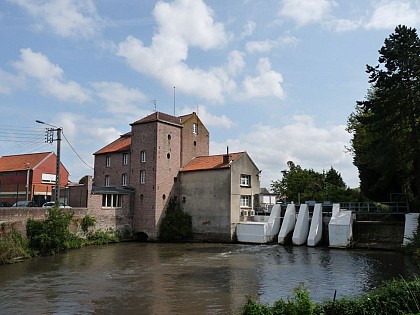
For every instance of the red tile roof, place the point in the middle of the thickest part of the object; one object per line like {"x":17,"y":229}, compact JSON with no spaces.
{"x":210,"y":162}
{"x":20,"y":162}
{"x":158,"y":116}
{"x":121,"y":144}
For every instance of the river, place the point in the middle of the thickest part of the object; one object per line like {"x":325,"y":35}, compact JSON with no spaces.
{"x":154,"y":278}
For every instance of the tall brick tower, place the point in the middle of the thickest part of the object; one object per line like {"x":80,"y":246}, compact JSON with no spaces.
{"x":160,"y":145}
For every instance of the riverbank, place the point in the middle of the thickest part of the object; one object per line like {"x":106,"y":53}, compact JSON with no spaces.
{"x":393,"y":297}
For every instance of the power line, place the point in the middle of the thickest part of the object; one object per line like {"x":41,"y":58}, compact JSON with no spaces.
{"x":75,"y":151}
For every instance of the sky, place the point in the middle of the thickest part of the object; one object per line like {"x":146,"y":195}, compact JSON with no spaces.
{"x":275,"y":78}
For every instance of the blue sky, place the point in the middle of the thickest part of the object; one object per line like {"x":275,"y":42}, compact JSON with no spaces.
{"x":277,"y":79}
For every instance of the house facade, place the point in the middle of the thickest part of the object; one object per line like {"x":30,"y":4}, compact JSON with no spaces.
{"x":218,"y":191}
{"x":146,"y":161}
{"x":30,"y":177}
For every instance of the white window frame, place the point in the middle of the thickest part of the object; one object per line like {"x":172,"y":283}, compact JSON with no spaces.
{"x":125,"y":158}
{"x":108,"y":161}
{"x":195,"y":128}
{"x":111,"y":201}
{"x":107,"y":181}
{"x":143,"y":156}
{"x":245,"y":180}
{"x":142,"y":177}
{"x":245,"y":201}
{"x":124,"y":179}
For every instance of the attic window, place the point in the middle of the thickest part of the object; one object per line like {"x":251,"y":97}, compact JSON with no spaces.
{"x":245,"y":180}
{"x":195,"y":128}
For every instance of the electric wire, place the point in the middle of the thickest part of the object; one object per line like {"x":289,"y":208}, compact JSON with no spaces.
{"x":77,"y":154}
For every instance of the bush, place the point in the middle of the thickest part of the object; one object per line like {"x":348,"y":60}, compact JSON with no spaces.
{"x":51,"y":235}
{"x":103,"y":237}
{"x":87,"y":222}
{"x":13,"y":246}
{"x":394,"y":297}
{"x":176,"y":225}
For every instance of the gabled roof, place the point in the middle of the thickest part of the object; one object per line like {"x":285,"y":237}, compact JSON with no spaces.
{"x":21,"y":162}
{"x":158,"y":116}
{"x":121,"y":144}
{"x":210,"y":162}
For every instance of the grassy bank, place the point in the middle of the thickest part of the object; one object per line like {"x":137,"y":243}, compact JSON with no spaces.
{"x":50,"y":236}
{"x":394,"y":297}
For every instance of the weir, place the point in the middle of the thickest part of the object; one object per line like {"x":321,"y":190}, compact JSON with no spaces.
{"x":288,"y":224}
{"x":300,"y":233}
{"x":315,"y":230}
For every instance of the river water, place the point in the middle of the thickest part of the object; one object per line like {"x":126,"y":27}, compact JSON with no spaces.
{"x":154,"y":278}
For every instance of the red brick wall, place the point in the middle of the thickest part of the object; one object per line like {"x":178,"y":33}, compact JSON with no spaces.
{"x":114,"y":171}
{"x":194,"y":144}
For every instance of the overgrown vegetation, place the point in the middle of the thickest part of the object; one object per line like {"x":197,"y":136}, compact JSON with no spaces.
{"x":13,"y":246}
{"x":394,"y":297}
{"x":103,"y":237}
{"x":176,"y":225}
{"x":52,"y":235}
{"x":87,"y":222}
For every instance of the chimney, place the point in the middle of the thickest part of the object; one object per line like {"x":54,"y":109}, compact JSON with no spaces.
{"x":226,"y":158}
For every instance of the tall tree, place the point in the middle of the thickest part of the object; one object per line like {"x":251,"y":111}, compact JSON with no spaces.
{"x":386,"y":126}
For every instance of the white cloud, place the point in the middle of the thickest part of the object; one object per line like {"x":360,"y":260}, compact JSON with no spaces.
{"x":50,"y":77}
{"x":181,"y":24}
{"x":267,"y":45}
{"x":119,"y":99}
{"x":268,"y":83}
{"x":343,"y":25}
{"x":207,"y":118}
{"x":300,"y":141}
{"x":249,"y":29}
{"x":9,"y":81}
{"x":66,"y":18}
{"x":388,"y":14}
{"x":306,"y":11}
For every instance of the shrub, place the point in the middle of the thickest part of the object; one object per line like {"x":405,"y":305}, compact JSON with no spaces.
{"x":51,"y":235}
{"x":87,"y":222}
{"x":13,"y":246}
{"x":103,"y":237}
{"x":176,"y":225}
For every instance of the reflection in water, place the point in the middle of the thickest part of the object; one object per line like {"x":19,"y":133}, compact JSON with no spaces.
{"x":144,"y":278}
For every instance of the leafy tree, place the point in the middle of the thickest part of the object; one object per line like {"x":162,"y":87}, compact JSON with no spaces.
{"x":386,"y":125}
{"x":299,"y":184}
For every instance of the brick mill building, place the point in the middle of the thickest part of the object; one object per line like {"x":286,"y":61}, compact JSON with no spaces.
{"x":144,"y":169}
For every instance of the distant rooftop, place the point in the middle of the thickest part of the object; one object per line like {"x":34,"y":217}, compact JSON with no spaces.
{"x":21,"y":162}
{"x":210,"y":162}
{"x":121,"y":144}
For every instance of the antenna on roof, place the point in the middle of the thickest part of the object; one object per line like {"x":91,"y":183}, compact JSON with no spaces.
{"x":154,"y":103}
{"x":174,"y":101}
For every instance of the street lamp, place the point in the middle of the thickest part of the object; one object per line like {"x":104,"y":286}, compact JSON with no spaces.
{"x":49,"y":139}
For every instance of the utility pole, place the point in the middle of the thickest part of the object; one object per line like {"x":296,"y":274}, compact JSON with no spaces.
{"x":49,"y":138}
{"x":27,"y":180}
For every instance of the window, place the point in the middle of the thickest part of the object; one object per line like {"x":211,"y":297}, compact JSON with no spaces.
{"x":168,"y":156}
{"x":124,"y":180}
{"x":245,"y":180}
{"x":111,"y":201}
{"x":107,"y":180}
{"x":142,"y":177}
{"x":108,"y":161}
{"x":125,"y":158}
{"x":143,"y":156}
{"x":245,"y":201}
{"x":195,"y":128}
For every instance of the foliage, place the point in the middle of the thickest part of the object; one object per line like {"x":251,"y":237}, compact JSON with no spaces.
{"x":176,"y":225}
{"x":394,"y":297}
{"x":299,"y":304}
{"x":13,"y":246}
{"x":52,"y":235}
{"x":306,"y":184}
{"x":385,"y":126}
{"x":103,"y":237}
{"x":87,"y":222}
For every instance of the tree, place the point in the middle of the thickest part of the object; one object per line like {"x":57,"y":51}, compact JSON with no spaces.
{"x":305,"y":184}
{"x":386,"y":126}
